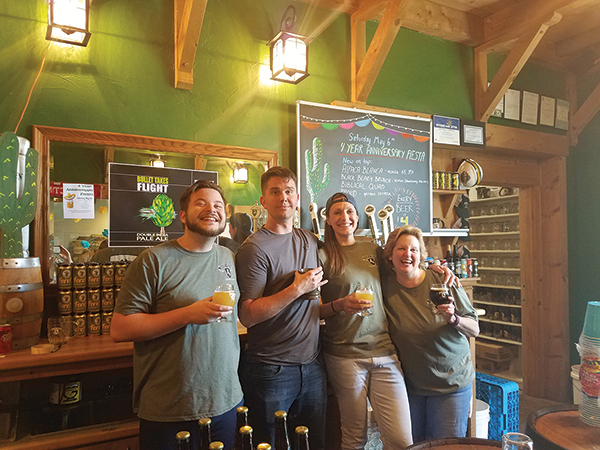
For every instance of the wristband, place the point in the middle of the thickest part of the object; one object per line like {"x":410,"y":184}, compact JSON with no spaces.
{"x":456,"y":320}
{"x":332,"y":308}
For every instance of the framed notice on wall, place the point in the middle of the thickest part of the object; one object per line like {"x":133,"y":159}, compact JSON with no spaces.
{"x":143,"y":203}
{"x":380,"y":159}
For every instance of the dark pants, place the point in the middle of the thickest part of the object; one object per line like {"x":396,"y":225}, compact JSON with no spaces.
{"x":300,"y":390}
{"x":161,"y":435}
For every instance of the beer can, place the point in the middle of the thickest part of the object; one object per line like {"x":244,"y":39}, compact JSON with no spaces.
{"x":117,"y":290}
{"x":442,"y":180}
{"x":120,"y":270}
{"x":448,"y":181}
{"x":436,"y":179}
{"x":108,"y":274}
{"x":93,"y":300}
{"x":94,"y":324}
{"x":80,"y":301}
{"x":455,"y":181}
{"x":5,"y":338}
{"x":475,"y":267}
{"x":64,"y":392}
{"x":65,"y":303}
{"x":79,"y":325}
{"x":107,"y":299}
{"x":106,"y":321}
{"x":65,"y":276}
{"x":93,"y":275}
{"x":463,"y":268}
{"x":469,"y":267}
{"x":79,"y":276}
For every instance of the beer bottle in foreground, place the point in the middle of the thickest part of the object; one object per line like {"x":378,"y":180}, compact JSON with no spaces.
{"x":282,"y":440}
{"x":183,"y":440}
{"x":204,"y":437}
{"x":302,"y":438}
{"x":241,"y":421}
{"x":216,"y":446}
{"x":246,"y":438}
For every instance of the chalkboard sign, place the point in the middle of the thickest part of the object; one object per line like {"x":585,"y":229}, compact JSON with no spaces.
{"x":379,"y":159}
{"x":143,"y":203}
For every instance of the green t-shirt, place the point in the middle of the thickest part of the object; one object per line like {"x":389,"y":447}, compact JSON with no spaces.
{"x":350,"y":335}
{"x":435,"y":356}
{"x":190,"y":373}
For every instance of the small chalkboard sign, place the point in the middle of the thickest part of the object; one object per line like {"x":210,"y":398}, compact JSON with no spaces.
{"x":380,"y":159}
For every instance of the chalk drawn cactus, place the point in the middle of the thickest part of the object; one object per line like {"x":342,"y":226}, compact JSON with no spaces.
{"x":17,"y":206}
{"x":317,"y":172}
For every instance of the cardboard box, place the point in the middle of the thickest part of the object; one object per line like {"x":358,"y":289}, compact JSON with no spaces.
{"x":490,"y":366}
{"x":495,"y":352}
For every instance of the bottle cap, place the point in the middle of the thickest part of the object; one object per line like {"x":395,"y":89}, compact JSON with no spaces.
{"x":301,"y":430}
{"x":280,"y":414}
{"x":246,"y":429}
{"x":183,"y":435}
{"x":205,"y":421}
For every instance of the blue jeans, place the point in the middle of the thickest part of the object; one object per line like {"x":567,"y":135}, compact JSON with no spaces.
{"x":440,"y":416}
{"x":300,"y":390}
{"x":161,"y":435}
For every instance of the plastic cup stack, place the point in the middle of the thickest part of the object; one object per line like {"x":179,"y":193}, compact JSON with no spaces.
{"x":589,"y":373}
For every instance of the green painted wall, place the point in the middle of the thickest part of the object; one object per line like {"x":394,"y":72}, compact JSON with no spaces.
{"x":123,"y":82}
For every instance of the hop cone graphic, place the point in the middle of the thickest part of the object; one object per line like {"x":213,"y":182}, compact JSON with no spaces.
{"x":163,"y":208}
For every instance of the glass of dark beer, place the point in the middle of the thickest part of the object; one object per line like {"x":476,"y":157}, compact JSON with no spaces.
{"x":439,"y":295}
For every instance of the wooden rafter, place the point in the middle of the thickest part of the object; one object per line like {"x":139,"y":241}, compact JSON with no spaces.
{"x":189,"y":15}
{"x":580,"y":117}
{"x":367,"y":64}
{"x":486,"y":98}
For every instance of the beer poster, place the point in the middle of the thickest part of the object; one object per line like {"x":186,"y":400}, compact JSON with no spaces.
{"x":144,"y":203}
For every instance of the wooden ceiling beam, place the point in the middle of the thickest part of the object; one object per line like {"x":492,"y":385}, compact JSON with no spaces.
{"x":189,"y":15}
{"x":367,"y":68}
{"x":581,"y":116}
{"x":577,"y":43}
{"x":487,"y":97}
{"x":522,"y":16}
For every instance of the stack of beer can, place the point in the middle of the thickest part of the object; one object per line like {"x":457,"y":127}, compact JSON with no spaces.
{"x":449,"y":181}
{"x":87,"y":293}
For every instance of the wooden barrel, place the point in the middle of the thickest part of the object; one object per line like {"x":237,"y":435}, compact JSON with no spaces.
{"x":22,"y":299}
{"x":560,"y":428}
{"x":457,"y":444}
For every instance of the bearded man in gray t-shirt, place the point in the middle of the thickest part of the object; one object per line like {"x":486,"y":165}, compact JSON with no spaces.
{"x":184,"y":364}
{"x":280,"y":369}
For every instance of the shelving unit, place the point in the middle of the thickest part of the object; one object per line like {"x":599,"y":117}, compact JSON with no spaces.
{"x":495,"y":232}
{"x":443,"y":208}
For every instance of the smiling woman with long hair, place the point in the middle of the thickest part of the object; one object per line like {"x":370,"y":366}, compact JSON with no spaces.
{"x":360,"y":358}
{"x":432,"y":341}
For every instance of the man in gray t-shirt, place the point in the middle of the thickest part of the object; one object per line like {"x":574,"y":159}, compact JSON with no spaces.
{"x":184,"y":364}
{"x":280,"y":369}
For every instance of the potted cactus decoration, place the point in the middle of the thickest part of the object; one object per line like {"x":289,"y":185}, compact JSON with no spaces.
{"x":17,"y":206}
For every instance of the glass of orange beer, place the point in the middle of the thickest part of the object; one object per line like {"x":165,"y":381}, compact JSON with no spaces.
{"x":224,"y":295}
{"x":365,"y":293}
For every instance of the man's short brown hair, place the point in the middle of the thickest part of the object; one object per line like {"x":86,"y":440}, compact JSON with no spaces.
{"x":184,"y":200}
{"x":277,"y":172}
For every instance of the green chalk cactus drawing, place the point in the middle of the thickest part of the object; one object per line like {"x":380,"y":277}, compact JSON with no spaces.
{"x":161,"y":212}
{"x":315,"y":182}
{"x":15,"y":212}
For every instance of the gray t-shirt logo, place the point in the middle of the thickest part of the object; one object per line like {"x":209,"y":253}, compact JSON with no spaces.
{"x":370,"y":259}
{"x":227,"y":269}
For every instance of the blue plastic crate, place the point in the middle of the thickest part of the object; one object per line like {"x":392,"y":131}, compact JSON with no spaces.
{"x":503,"y":397}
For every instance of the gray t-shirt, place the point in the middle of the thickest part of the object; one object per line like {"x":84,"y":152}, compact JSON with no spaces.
{"x":350,"y":335}
{"x":266,"y":263}
{"x":435,"y":356}
{"x":192,"y":372}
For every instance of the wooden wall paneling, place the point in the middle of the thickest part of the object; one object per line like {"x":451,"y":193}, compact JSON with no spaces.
{"x":544,"y":279}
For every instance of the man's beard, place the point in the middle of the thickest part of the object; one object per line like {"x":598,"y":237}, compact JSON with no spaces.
{"x":196,"y":228}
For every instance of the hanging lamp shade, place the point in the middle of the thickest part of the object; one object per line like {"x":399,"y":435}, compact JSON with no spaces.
{"x":68,"y":21}
{"x":289,"y":52}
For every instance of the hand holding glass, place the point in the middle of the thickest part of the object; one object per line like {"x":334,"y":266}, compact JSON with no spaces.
{"x":438,"y":295}
{"x":224,"y":295}
{"x":365,"y":293}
